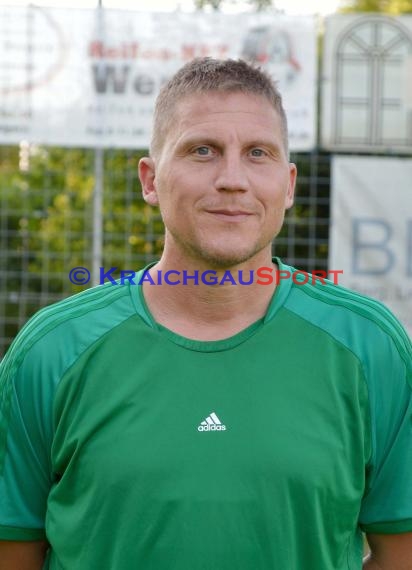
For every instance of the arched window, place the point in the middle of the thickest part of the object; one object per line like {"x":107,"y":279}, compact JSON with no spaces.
{"x":373,"y":92}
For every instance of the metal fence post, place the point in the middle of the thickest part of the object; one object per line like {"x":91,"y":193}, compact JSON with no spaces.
{"x":97,"y":253}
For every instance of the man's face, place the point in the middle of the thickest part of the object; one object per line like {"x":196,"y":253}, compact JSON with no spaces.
{"x":222,"y":179}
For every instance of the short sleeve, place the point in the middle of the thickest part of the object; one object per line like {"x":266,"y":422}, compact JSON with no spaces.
{"x":25,"y":443}
{"x":387,"y":504}
{"x":30,"y":375}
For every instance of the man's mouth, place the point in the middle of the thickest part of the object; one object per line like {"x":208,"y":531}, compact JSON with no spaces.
{"x":230,"y":215}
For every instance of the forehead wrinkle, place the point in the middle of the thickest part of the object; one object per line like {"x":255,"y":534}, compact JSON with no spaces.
{"x":188,"y":117}
{"x":201,"y":133}
{"x":190,"y":123}
{"x":228,"y":139}
{"x":211,"y":104}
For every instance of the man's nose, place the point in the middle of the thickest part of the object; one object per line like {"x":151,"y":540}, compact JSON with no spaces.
{"x":232,"y":173}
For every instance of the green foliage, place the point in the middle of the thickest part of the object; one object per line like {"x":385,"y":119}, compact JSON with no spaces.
{"x":47,"y":225}
{"x":134,"y":231}
{"x":217,"y":4}
{"x":384,"y":6}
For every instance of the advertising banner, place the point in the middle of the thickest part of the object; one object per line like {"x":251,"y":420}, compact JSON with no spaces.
{"x":90,"y":77}
{"x":371,"y":229}
{"x":367,"y":83}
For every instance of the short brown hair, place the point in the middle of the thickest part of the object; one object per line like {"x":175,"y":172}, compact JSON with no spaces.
{"x":202,"y":75}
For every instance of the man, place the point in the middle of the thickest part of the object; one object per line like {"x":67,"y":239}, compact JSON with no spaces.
{"x":194,"y":426}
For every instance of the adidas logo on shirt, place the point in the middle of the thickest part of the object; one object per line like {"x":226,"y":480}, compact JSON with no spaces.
{"x":211,"y":423}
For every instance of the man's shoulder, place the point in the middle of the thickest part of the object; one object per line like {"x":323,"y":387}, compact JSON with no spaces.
{"x":71,"y":325}
{"x":356,"y":320}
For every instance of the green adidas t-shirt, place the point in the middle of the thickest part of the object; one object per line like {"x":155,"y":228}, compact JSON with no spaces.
{"x":131,"y":447}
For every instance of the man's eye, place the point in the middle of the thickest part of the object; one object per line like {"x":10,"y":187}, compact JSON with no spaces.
{"x":257,"y":152}
{"x":202,"y":150}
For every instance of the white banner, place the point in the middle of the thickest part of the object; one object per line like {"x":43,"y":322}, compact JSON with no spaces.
{"x":90,"y":77}
{"x":367,"y":83}
{"x":371,"y":229}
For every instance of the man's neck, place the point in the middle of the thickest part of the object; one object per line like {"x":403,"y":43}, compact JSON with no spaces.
{"x":202,"y":311}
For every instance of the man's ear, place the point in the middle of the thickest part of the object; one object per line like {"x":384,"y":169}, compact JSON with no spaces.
{"x":290,"y":194}
{"x":147,"y":178}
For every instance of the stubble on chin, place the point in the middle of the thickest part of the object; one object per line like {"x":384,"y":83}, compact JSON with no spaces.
{"x":219,"y":257}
